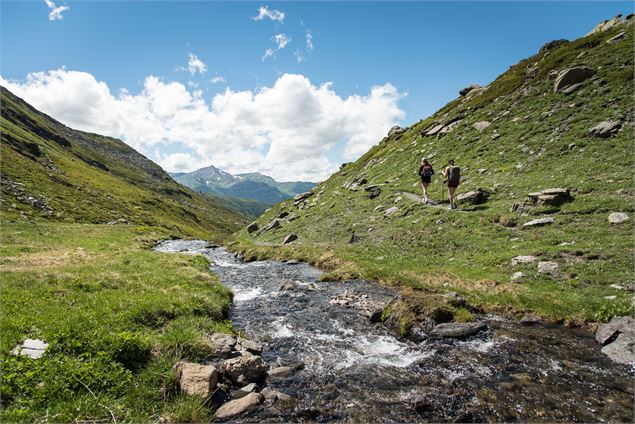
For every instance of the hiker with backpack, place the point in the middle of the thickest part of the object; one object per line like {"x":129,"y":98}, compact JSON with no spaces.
{"x":425,"y":172}
{"x":453,"y":175}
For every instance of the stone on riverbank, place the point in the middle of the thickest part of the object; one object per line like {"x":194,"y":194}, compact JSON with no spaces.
{"x":196,"y":379}
{"x":239,"y":406}
{"x":457,"y":329}
{"x":221,"y":345}
{"x":244,"y":369}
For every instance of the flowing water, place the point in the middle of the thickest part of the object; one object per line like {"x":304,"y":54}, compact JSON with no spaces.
{"x":352,"y":370}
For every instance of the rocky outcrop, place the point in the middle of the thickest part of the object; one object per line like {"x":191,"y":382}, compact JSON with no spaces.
{"x":457,"y":329}
{"x":608,"y":24}
{"x":552,"y":45}
{"x":481,"y":125}
{"x":539,"y":222}
{"x":474,"y":197}
{"x":570,"y":79}
{"x":618,"y":339}
{"x":239,"y":406}
{"x":395,"y":130}
{"x":373,"y":191}
{"x":243,"y":369}
{"x":605,"y":129}
{"x":289,"y":239}
{"x":221,"y":345}
{"x":464,"y":91}
{"x":272,"y":225}
{"x":551,"y":196}
{"x":618,"y":217}
{"x":548,"y":268}
{"x":253,"y":227}
{"x":523,"y":259}
{"x":196,"y":379}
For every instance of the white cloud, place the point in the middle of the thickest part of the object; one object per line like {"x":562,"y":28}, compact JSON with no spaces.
{"x":281,"y":40}
{"x":274,"y":15}
{"x":299,"y":56}
{"x":268,"y":53}
{"x":286,"y":130}
{"x":309,"y":40}
{"x":56,"y":11}
{"x":217,"y":79}
{"x":196,"y":65}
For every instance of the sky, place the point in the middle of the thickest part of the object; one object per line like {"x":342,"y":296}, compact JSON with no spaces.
{"x":288,"y":89}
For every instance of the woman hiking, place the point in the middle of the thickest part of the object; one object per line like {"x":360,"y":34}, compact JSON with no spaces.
{"x":426,"y":172}
{"x":453,"y":175}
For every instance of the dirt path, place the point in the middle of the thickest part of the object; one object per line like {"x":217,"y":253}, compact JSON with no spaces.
{"x":419,"y":199}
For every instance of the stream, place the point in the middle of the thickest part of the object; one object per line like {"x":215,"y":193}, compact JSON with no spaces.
{"x":351,"y":370}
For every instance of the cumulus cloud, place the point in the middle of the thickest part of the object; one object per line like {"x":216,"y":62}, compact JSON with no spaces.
{"x":286,"y":130}
{"x":281,"y":40}
{"x":196,"y":65}
{"x":56,"y":11}
{"x":265,"y":12}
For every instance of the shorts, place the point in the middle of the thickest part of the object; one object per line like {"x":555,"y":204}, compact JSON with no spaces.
{"x":426,"y":179}
{"x":453,"y":184}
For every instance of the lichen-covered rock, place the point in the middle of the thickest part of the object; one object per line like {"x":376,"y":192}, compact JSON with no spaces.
{"x":551,"y":196}
{"x":605,"y":129}
{"x":618,"y":217}
{"x":524,"y":259}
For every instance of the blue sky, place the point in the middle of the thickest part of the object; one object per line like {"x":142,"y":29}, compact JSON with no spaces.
{"x":419,"y":53}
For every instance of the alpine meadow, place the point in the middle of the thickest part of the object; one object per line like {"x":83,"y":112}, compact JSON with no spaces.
{"x":249,"y":236}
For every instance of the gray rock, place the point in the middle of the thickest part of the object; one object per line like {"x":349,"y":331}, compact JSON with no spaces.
{"x":547,"y":268}
{"x":239,"y":406}
{"x":530,"y":319}
{"x":518,"y":277}
{"x":280,"y":372}
{"x":607,"y":24}
{"x":607,"y":333}
{"x":523,"y":259}
{"x":196,"y":379}
{"x":244,"y":369}
{"x":552,"y":45}
{"x":571,"y":76}
{"x":243,"y":391}
{"x":272,"y":225}
{"x":250,"y":346}
{"x":605,"y":129}
{"x":302,"y":196}
{"x":253,"y":227}
{"x":286,"y":285}
{"x":622,"y":350}
{"x":539,"y":222}
{"x":373,"y":192}
{"x":33,"y":348}
{"x":481,"y":125}
{"x":221,"y":344}
{"x":551,"y":196}
{"x":617,"y":38}
{"x":394,"y":130}
{"x":391,"y":211}
{"x":276,"y":395}
{"x":618,"y":217}
{"x":457,"y":329}
{"x":290,"y":238}
{"x":464,"y":91}
{"x":474,"y":197}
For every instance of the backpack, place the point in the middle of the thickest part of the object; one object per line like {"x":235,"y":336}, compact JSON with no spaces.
{"x":426,"y":171}
{"x":454,"y":174}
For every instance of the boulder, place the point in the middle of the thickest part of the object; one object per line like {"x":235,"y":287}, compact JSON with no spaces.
{"x":481,"y":125}
{"x":302,"y":196}
{"x":518,"y":277}
{"x":539,"y":222}
{"x":250,"y":346}
{"x":391,"y":211}
{"x":607,"y":24}
{"x":572,"y":76}
{"x":275,"y":395}
{"x":523,"y":259}
{"x":457,"y":329}
{"x":280,"y":372}
{"x":221,"y":345}
{"x":547,"y":268}
{"x":618,"y":217}
{"x":551,"y":196}
{"x":474,"y":197}
{"x":33,"y":348}
{"x":253,"y":227}
{"x":196,"y":379}
{"x":622,"y":350}
{"x":290,"y":238}
{"x":394,"y":130}
{"x":605,"y":129}
{"x":552,"y":45}
{"x":272,"y":225}
{"x":286,"y":285}
{"x":435,"y":129}
{"x":530,"y":319}
{"x":607,"y":333}
{"x":283,"y":214}
{"x":239,"y":406}
{"x":243,"y":391}
{"x":244,"y":369}
{"x":373,"y":192}
{"x":464,"y":91}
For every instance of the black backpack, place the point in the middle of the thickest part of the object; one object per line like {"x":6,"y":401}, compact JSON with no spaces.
{"x":454,"y":174}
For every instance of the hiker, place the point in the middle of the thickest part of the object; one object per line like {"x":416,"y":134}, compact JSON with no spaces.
{"x":426,"y":172}
{"x":453,"y":175}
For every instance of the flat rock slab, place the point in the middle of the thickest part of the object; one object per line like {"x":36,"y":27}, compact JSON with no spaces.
{"x":622,"y":350}
{"x":618,"y":217}
{"x":239,"y":406}
{"x":606,"y":333}
{"x":605,"y":129}
{"x":547,"y":268}
{"x":524,"y":259}
{"x":539,"y":222}
{"x":33,"y":348}
{"x":457,"y":329}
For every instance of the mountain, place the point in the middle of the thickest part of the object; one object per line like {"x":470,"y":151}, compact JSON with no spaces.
{"x":255,"y":187}
{"x":50,"y":171}
{"x":561,"y":119}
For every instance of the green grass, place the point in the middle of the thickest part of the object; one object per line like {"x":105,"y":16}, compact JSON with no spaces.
{"x":117,"y":316}
{"x":470,"y":252}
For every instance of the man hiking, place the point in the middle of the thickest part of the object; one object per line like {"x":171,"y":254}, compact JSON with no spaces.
{"x":453,"y":175}
{"x":425,"y":172}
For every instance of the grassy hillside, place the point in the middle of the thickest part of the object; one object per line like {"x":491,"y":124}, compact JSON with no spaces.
{"x":52,"y":172}
{"x":117,"y":316}
{"x":536,"y":139}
